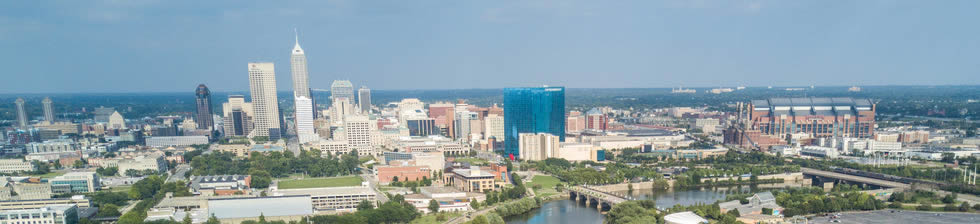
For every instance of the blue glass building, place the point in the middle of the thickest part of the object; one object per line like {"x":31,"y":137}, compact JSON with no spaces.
{"x":532,"y":110}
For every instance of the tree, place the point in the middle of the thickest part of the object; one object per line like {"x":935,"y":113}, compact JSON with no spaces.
{"x":965,"y":207}
{"x":950,"y":198}
{"x":108,"y":210}
{"x":476,"y":204}
{"x":187,"y":219}
{"x":365,"y":205}
{"x":925,"y":206}
{"x":212,"y":220}
{"x":433,"y":206}
{"x":260,"y":178}
{"x":107,"y":172}
{"x":78,"y":164}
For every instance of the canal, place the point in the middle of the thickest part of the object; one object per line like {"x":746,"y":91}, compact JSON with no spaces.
{"x":569,"y":211}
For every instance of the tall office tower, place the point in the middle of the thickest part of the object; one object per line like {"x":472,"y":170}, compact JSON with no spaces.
{"x":21,"y":113}
{"x":342,"y":89}
{"x":364,"y":99}
{"x":358,"y":133}
{"x":532,"y":110}
{"x":304,"y":120}
{"x":238,"y":116}
{"x":297,"y":61}
{"x":340,"y":109}
{"x":48,"y":109}
{"x":494,"y":127}
{"x":203,"y":117}
{"x":262,"y":82}
{"x":463,"y":123}
{"x":305,"y":111}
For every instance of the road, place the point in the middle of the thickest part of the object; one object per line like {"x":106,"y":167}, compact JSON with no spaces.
{"x":182,"y":169}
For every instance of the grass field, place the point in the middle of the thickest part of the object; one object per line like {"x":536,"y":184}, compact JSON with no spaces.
{"x":471,"y":160}
{"x":547,"y":183}
{"x":51,"y":174}
{"x":431,"y":218}
{"x":321,"y":182}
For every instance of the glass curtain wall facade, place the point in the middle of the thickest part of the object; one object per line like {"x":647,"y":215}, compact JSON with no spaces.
{"x":532,"y":110}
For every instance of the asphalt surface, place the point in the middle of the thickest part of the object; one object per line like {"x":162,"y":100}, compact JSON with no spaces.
{"x":902,"y":216}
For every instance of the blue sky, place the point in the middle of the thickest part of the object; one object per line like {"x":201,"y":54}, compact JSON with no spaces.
{"x":135,"y":46}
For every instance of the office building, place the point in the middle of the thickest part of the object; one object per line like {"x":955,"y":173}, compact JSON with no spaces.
{"x":52,"y":214}
{"x":75,"y":182}
{"x":304,"y":120}
{"x":101,"y":114}
{"x":364,"y":99}
{"x":238,"y":116}
{"x":21,"y":112}
{"x":575,"y":122}
{"x":532,"y":110}
{"x":301,"y":76}
{"x":340,"y":109}
{"x":77,"y":200}
{"x":421,"y":126}
{"x":535,"y":147}
{"x":48,"y":107}
{"x":464,"y":123}
{"x":473,"y":179}
{"x":493,"y":126}
{"x":402,"y":171}
{"x":265,"y":104}
{"x":167,"y":141}
{"x":18,"y":190}
{"x":60,"y":145}
{"x":358,"y":130}
{"x":342,"y":89}
{"x":203,"y":117}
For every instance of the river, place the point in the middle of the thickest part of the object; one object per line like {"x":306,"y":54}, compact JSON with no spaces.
{"x":568,"y":211}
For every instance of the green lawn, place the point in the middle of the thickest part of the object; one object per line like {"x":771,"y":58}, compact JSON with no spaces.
{"x":431,"y":218}
{"x":321,"y":182}
{"x":51,"y":174}
{"x":471,"y":160}
{"x":547,"y":183}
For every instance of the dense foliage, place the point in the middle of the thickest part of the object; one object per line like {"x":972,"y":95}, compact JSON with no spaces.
{"x":263,"y":166}
{"x":811,"y":200}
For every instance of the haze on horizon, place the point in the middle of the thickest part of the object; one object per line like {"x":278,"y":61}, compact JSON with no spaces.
{"x":167,"y":46}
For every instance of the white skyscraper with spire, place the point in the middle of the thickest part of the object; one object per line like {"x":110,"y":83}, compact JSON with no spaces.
{"x":301,"y":95}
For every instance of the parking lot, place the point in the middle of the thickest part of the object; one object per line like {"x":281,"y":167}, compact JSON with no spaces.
{"x":901,"y":216}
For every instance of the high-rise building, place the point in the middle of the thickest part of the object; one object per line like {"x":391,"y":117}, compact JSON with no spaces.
{"x":421,"y":126}
{"x":21,"y":113}
{"x":297,"y":61}
{"x":540,"y":146}
{"x":102,"y":114}
{"x":494,"y":127}
{"x":596,"y":120}
{"x":358,"y":133}
{"x":304,"y":120}
{"x":463,"y":124}
{"x":238,"y":116}
{"x":116,"y":121}
{"x":48,"y":109}
{"x":262,"y":82}
{"x":305,"y":111}
{"x":532,"y":110}
{"x":340,"y":109}
{"x":364,"y":99}
{"x":342,"y":89}
{"x":203,"y":117}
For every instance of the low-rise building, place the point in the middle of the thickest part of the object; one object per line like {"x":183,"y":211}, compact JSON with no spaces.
{"x":165,"y":141}
{"x":684,"y":218}
{"x":52,"y":214}
{"x":756,"y":203}
{"x":449,"y":199}
{"x":75,"y":182}
{"x":221,"y":185}
{"x":818,"y":151}
{"x":273,"y":208}
{"x":240,"y":150}
{"x":473,"y":179}
{"x":404,"y":171}
{"x":78,"y":200}
{"x":344,"y":199}
{"x":16,"y":190}
{"x":15,"y":165}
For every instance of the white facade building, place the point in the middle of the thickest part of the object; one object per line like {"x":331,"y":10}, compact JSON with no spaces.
{"x":15,"y":165}
{"x":540,"y":146}
{"x":304,"y":120}
{"x":494,"y":127}
{"x":166,"y":141}
{"x":262,"y":84}
{"x":342,"y":89}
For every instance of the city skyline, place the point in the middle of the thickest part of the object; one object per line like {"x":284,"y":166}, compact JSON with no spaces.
{"x":696,"y":44}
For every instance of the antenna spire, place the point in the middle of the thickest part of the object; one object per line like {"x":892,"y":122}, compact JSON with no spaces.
{"x":296,"y":31}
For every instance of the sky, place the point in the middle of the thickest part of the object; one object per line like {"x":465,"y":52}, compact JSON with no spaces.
{"x":63,"y":46}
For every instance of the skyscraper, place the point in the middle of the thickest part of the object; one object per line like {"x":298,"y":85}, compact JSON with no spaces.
{"x":262,"y":83}
{"x":364,"y":99}
{"x":21,"y":113}
{"x":301,"y":95}
{"x":532,"y":110}
{"x":304,"y":120}
{"x":203,"y":116}
{"x":342,"y":89}
{"x":238,"y":116}
{"x":297,"y":61}
{"x":48,"y":109}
